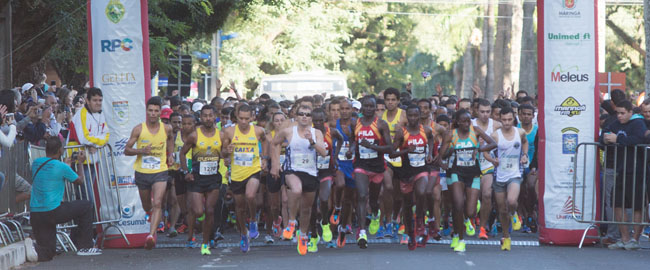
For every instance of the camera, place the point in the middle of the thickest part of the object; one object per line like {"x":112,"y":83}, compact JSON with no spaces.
{"x":75,"y":156}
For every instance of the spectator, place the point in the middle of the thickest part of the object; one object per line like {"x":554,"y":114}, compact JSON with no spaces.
{"x":39,"y":130}
{"x":6,"y":140}
{"x":47,"y":210}
{"x":627,"y":131}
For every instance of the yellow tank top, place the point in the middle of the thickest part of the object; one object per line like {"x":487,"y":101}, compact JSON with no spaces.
{"x":246,"y":156}
{"x":206,"y":153}
{"x":397,"y":161}
{"x":157,"y":161}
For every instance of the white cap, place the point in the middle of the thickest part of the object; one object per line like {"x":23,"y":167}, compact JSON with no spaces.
{"x":356,"y":104}
{"x":165,"y":107}
{"x":26,"y":87}
{"x":197,"y":106}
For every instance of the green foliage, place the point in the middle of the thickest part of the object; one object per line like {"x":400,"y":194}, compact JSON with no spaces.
{"x":620,"y":57}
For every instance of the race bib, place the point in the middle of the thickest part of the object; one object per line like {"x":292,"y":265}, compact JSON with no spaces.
{"x":303,"y":161}
{"x":323,"y":162}
{"x":508,"y":165}
{"x":150,"y":163}
{"x":465,"y":158}
{"x":282,"y":159}
{"x":209,"y":167}
{"x":177,"y":157}
{"x":392,"y":160}
{"x":417,"y":160}
{"x":367,"y":153}
{"x":344,"y":149}
{"x":244,"y":159}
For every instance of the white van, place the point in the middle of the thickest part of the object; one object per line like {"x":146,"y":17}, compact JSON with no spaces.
{"x":299,"y":84}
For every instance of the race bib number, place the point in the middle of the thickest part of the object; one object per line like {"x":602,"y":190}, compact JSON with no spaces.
{"x":509,"y":165}
{"x":244,"y":159}
{"x":392,"y":160}
{"x":344,"y":149}
{"x":367,"y":153}
{"x":282,"y":159}
{"x":150,"y":163}
{"x":323,"y":162}
{"x":465,"y":158}
{"x":416,"y":160}
{"x":303,"y":161}
{"x":209,"y":167}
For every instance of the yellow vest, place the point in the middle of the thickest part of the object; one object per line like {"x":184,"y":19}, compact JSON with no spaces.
{"x":397,"y":161}
{"x":157,"y":161}
{"x":206,"y":153}
{"x":245,"y":160}
{"x":178,"y":144}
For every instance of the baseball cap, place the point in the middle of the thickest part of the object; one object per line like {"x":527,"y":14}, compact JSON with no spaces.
{"x":165,"y":113}
{"x":26,"y":87}
{"x":197,"y":106}
{"x":356,"y":104}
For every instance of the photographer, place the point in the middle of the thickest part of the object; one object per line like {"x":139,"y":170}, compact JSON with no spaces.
{"x":47,"y":210}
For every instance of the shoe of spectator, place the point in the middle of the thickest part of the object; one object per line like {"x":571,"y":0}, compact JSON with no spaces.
{"x":632,"y":245}
{"x":608,"y":241}
{"x":618,"y":245}
{"x":89,"y":252}
{"x":30,"y":250}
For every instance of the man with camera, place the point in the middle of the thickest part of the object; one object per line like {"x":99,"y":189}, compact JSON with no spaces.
{"x":49,"y":179}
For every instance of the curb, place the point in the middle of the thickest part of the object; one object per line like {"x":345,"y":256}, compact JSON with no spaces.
{"x":12,"y":255}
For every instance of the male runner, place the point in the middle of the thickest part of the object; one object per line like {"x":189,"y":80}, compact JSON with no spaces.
{"x":487,"y":170}
{"x":373,"y":138}
{"x":155,"y":145}
{"x":341,"y":212}
{"x":242,"y":143}
{"x":204,"y":181}
{"x":414,"y":143}
{"x":391,"y":198}
{"x":512,"y":152}
{"x":301,"y":171}
{"x":174,"y":174}
{"x":529,"y":193}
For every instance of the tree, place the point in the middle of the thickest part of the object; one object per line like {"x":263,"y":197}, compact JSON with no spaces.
{"x":646,"y":24}
{"x":508,"y":47}
{"x":528,"y":71}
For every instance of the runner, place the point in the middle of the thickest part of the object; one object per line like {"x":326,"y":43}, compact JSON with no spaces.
{"x":344,"y":197}
{"x":487,"y":170}
{"x":391,"y":198}
{"x":175,"y":176}
{"x":415,"y":143}
{"x":433,"y":189}
{"x":204,"y":181}
{"x":373,"y":138}
{"x":512,"y":155}
{"x":464,"y":180}
{"x":529,"y":192}
{"x":155,"y":145}
{"x":274,"y":185}
{"x":242,"y":142}
{"x":327,"y":167}
{"x":301,"y":171}
{"x":188,"y":126}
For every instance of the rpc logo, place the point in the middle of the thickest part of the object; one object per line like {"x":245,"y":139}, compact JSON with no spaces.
{"x":112,"y":45}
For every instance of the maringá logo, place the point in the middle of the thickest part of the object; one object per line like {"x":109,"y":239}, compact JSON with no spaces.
{"x":569,"y":74}
{"x":570,"y":107}
{"x":114,"y":11}
{"x":569,"y":9}
{"x":569,"y":4}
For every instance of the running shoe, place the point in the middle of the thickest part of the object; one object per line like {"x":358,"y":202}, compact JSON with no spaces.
{"x":312,"y":247}
{"x":150,"y":242}
{"x":348,"y":229}
{"x":411,"y":241}
{"x":495,"y":230}
{"x":454,"y":241}
{"x":331,"y":244}
{"x":277,"y":227}
{"x":182,"y":228}
{"x":516,"y":223}
{"x":218,"y":236}
{"x":201,"y":218}
{"x":213,"y":243}
{"x":289,"y":230}
{"x":205,"y":249}
{"x":402,"y":229}
{"x":469,"y":228}
{"x":478,"y":206}
{"x":446,"y":231}
{"x":525,"y":229}
{"x":632,"y":245}
{"x":268,"y":239}
{"x":334,"y":218}
{"x":340,"y":240}
{"x":404,"y":239}
{"x":532,"y":224}
{"x":434,"y":231}
{"x":147,"y":216}
{"x":419,"y":228}
{"x":618,"y":245}
{"x":161,"y":227}
{"x":460,"y":247}
{"x":173,"y":233}
{"x":389,"y":230}
{"x":89,"y":252}
{"x":252,"y":230}
{"x":505,"y":243}
{"x":190,"y":243}
{"x":327,"y":232}
{"x":303,"y":241}
{"x":374,"y":224}
{"x":244,"y":244}
{"x":482,"y":234}
{"x":381,"y":233}
{"x":362,"y":239}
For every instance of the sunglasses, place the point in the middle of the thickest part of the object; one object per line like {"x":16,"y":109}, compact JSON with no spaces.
{"x":303,"y":114}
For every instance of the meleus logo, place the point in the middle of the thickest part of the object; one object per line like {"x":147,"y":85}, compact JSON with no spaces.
{"x":112,"y":45}
{"x":569,"y":74}
{"x":570,"y":107}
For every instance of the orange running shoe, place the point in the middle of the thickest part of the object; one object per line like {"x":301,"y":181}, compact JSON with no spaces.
{"x":150,"y":242}
{"x":483,"y":234}
{"x":336,"y":215}
{"x":302,"y":244}
{"x":289,"y":230}
{"x":340,"y":241}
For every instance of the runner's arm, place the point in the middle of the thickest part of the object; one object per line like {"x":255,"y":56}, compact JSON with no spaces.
{"x":339,"y":138}
{"x":430,"y":143}
{"x":170,"y":144}
{"x":491,"y":144}
{"x":524,"y":146}
{"x":444,"y":147}
{"x":385,"y":134}
{"x":319,"y":144}
{"x":128,"y":149}
{"x":399,"y":139}
{"x":189,"y":143}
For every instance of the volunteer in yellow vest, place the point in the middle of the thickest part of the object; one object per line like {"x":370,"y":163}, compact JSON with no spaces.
{"x":241,"y":143}
{"x":392,"y":197}
{"x":204,"y":181}
{"x":155,"y":145}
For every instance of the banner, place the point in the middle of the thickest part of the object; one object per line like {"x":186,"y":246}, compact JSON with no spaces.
{"x":568,"y":114}
{"x":118,"y":50}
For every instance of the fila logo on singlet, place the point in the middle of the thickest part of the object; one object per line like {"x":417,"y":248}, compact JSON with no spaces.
{"x":415,"y":141}
{"x":367,"y":133}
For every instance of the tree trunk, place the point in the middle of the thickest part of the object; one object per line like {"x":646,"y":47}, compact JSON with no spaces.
{"x":486,"y":65}
{"x":528,"y":71}
{"x":501,"y":50}
{"x":646,"y":26}
{"x":468,"y":73}
{"x":458,"y":78}
{"x":515,"y":46}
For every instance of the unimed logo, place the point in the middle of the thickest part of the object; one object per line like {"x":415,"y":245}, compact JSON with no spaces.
{"x":569,"y":74}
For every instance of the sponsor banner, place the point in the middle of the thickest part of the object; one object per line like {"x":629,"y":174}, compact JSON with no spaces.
{"x":118,"y":47}
{"x":568,"y":91}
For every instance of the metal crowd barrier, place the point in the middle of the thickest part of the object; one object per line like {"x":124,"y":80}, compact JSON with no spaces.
{"x":14,"y":160}
{"x":100,"y":188}
{"x":637,"y":181}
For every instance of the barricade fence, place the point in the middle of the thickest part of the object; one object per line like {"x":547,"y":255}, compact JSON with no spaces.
{"x":14,"y":163}
{"x":623,"y":185}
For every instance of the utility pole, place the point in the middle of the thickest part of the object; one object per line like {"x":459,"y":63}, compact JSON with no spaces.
{"x":214,"y":62}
